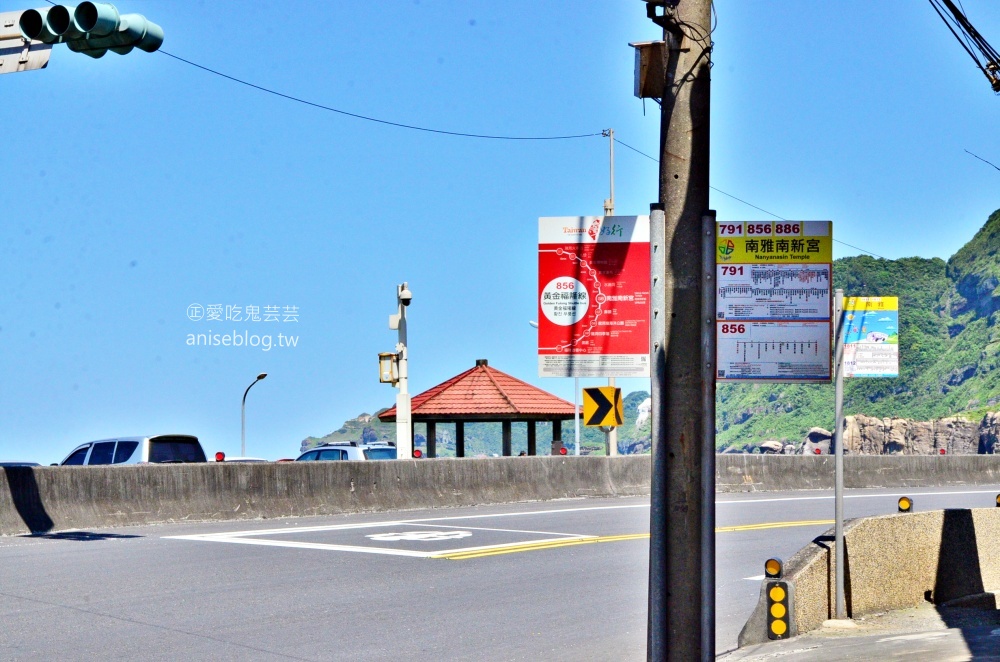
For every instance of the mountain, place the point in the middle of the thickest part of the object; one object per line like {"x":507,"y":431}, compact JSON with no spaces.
{"x":949,"y":348}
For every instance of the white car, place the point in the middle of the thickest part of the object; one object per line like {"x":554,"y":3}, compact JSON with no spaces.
{"x":349,"y":450}
{"x":156,"y":449}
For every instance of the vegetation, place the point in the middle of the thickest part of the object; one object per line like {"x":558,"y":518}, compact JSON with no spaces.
{"x":948,"y":347}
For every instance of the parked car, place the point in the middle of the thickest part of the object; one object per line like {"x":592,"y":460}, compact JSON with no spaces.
{"x":349,"y":450}
{"x":156,"y":449}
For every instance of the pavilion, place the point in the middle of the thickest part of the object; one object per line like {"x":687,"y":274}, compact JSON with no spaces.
{"x":486,"y":395}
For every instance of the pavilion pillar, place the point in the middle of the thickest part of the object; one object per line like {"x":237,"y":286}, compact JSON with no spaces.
{"x":556,"y":436}
{"x":459,"y":438}
{"x":431,"y":440}
{"x":531,"y":438}
{"x":505,"y":427}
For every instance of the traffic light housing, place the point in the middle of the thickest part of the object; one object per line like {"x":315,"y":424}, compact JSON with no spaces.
{"x":91,"y":28}
{"x":779,"y":612}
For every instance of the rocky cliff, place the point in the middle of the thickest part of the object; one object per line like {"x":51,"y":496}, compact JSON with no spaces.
{"x":869,"y":435}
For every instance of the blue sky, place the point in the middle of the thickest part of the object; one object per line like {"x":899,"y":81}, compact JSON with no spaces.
{"x":136,"y":186}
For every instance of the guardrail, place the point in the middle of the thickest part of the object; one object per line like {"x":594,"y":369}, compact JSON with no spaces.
{"x":42,"y":499}
{"x":51,"y":498}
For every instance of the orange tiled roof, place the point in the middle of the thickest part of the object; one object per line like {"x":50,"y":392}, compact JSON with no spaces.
{"x":483,"y":393}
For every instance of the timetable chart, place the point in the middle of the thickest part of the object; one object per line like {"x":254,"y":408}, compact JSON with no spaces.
{"x":773,"y":351}
{"x":765,"y":292}
{"x":774,"y":301}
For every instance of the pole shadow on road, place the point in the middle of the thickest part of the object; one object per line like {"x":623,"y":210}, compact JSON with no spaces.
{"x":959,"y":575}
{"x":82,"y":536}
{"x":27,"y":500}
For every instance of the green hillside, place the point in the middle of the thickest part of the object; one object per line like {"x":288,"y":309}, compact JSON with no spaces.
{"x":948,"y":346}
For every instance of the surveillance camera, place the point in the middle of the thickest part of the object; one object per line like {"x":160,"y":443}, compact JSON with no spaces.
{"x":405,"y":296}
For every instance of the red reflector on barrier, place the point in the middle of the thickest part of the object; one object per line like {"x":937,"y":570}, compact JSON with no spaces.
{"x":818,"y":451}
{"x":941,"y":451}
{"x":220,"y":457}
{"x":417,"y":453}
{"x":562,"y":451}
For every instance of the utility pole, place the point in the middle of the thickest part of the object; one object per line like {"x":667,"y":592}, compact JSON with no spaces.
{"x":682,"y":515}
{"x":609,"y":210}
{"x":404,"y":425}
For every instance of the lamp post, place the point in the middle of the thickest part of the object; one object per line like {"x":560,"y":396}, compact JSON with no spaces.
{"x":243,"y":416}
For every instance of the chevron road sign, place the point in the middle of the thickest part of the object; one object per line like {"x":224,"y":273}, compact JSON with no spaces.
{"x":602,"y":406}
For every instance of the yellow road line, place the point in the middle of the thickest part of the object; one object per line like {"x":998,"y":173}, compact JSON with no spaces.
{"x":531,"y":547}
{"x":511,"y":549}
{"x":772,"y":525}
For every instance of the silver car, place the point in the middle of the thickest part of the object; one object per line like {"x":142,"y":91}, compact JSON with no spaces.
{"x":155,"y":449}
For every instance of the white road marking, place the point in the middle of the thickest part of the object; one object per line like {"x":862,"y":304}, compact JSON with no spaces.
{"x":251,"y":537}
{"x":418,"y":536}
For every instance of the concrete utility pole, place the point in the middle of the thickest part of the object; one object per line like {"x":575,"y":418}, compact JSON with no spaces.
{"x":682,"y":516}
{"x":609,"y":210}
{"x":404,"y":425}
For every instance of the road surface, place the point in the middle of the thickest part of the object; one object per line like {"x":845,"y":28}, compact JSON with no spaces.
{"x":561,"y":580}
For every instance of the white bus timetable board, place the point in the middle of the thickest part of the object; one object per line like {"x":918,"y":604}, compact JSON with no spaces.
{"x":773,"y":301}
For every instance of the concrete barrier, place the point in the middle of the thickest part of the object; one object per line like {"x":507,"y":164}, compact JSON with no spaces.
{"x":43,"y":499}
{"x":755,"y":473}
{"x":51,"y":498}
{"x":892,"y":562}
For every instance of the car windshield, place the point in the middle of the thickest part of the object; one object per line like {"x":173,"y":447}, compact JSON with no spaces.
{"x":175,"y":449}
{"x":380,"y":453}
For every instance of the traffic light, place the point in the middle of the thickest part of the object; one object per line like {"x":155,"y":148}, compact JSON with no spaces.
{"x":91,"y":28}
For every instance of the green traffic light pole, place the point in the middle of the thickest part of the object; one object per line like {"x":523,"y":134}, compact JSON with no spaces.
{"x":91,"y":28}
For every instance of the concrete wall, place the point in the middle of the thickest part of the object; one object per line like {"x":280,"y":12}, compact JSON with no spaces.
{"x":753,"y":473}
{"x":57,"y":498}
{"x":52,"y":498}
{"x":893,"y":562}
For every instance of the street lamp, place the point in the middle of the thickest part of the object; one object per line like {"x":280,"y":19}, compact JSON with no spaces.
{"x":243,"y":416}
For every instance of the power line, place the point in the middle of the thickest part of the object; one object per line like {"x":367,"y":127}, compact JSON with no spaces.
{"x":769,"y":213}
{"x":459,"y":134}
{"x":981,"y":159}
{"x":400,"y":125}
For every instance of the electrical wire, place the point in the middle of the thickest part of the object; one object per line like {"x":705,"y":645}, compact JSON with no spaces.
{"x":697,"y":34}
{"x":367,"y":118}
{"x":981,"y":159}
{"x":769,"y":213}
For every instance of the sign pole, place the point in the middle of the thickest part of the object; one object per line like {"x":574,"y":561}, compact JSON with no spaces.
{"x":576,"y":419}
{"x":838,"y":442}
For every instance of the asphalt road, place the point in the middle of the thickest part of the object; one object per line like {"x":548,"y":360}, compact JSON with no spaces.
{"x":563,"y":580}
